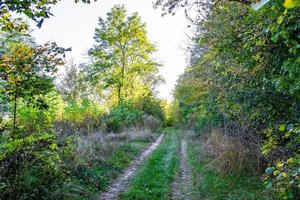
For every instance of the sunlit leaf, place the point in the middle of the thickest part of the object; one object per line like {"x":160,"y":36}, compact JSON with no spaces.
{"x":291,"y":3}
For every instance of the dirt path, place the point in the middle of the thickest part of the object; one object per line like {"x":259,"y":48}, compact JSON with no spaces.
{"x":122,"y":182}
{"x":181,"y":186}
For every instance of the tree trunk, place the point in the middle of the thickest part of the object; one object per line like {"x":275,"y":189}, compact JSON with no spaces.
{"x":15,"y":111}
{"x":119,"y":93}
{"x":122,"y":75}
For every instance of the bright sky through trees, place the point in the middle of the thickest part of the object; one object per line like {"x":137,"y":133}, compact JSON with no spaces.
{"x":73,"y":25}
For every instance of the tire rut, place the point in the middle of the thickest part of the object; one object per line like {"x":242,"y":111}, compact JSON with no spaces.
{"x":120,"y":184}
{"x":182,"y":184}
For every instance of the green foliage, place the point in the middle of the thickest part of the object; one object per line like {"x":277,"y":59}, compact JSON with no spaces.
{"x":285,"y":139}
{"x":122,"y":116}
{"x":291,"y":3}
{"x":28,"y":149}
{"x":40,"y":113}
{"x":27,"y":69}
{"x":122,"y":62}
{"x":247,"y":74}
{"x":80,"y":112}
{"x":39,"y":156}
{"x":168,"y":110}
{"x":150,"y":105}
{"x":284,"y":178}
{"x":26,"y":163}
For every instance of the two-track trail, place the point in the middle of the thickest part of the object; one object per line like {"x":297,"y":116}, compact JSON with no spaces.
{"x":120,"y":184}
{"x":182,"y":184}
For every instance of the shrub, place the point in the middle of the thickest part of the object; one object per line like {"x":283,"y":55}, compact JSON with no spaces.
{"x":29,"y":157}
{"x":281,"y":142}
{"x":29,"y":165}
{"x":150,"y":105}
{"x":281,"y":147}
{"x":39,"y":114}
{"x":123,"y":115}
{"x":151,"y":122}
{"x":79,"y":117}
{"x":284,"y":178}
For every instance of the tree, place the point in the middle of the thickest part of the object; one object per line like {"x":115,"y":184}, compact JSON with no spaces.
{"x":27,"y":68}
{"x":121,"y":58}
{"x":72,"y":85}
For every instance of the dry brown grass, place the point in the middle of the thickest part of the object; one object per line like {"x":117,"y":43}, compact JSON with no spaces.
{"x":233,"y":151}
{"x":100,"y":145}
{"x":132,"y":134}
{"x":94,"y":146}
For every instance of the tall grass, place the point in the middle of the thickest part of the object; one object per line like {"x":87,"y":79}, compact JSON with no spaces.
{"x":233,"y":152}
{"x":225,"y":168}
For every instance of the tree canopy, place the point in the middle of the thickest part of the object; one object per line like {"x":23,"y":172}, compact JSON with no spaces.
{"x":122,"y":60}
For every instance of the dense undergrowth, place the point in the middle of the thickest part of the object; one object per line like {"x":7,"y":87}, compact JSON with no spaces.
{"x":67,"y":135}
{"x":240,"y":94}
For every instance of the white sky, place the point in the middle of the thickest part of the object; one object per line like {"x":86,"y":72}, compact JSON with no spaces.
{"x":73,"y":26}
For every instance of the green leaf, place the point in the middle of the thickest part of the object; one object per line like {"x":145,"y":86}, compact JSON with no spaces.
{"x":269,"y":185}
{"x":289,"y":194}
{"x":280,"y":19}
{"x":282,"y":127}
{"x":269,"y":170}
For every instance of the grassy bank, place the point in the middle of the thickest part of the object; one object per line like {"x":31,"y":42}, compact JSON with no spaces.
{"x":155,"y":178}
{"x":91,"y":173}
{"x":209,"y":183}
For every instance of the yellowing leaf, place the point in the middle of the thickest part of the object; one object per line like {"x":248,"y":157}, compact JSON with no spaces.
{"x":291,"y":3}
{"x":276,"y":172}
{"x":284,"y":174}
{"x":280,"y":165}
{"x":290,"y":161}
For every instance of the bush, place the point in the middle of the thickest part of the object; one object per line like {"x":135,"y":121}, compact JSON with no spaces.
{"x":284,"y":178}
{"x":150,"y":105}
{"x":79,"y":117}
{"x":39,"y":114}
{"x":29,"y":157}
{"x":281,"y":142}
{"x":123,"y":115}
{"x":281,"y":147}
{"x":29,"y":165}
{"x":151,"y":122}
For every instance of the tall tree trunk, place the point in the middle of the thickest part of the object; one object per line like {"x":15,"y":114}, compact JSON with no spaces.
{"x":15,"y":111}
{"x":119,"y":93}
{"x":122,"y":75}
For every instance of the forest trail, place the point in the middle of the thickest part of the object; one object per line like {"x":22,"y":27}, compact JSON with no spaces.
{"x":181,"y":187}
{"x":122,"y":182}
